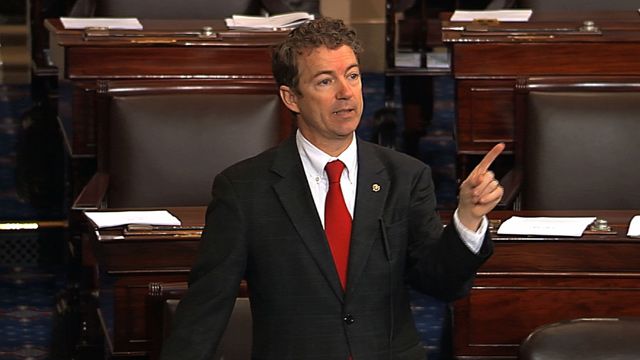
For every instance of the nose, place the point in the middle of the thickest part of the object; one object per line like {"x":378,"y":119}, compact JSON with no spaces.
{"x":345,"y":89}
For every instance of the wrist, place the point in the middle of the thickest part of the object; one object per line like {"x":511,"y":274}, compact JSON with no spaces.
{"x":468,"y":219}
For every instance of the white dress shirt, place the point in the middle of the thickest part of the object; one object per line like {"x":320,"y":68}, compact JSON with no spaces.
{"x":314,"y":161}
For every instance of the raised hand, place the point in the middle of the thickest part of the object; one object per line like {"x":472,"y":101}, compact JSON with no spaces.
{"x":480,"y":192}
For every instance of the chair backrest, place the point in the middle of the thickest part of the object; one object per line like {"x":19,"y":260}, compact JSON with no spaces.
{"x":577,"y":144}
{"x":162,"y":301}
{"x":163,"y":145}
{"x":584,"y":339}
{"x":579,"y":5}
{"x":166,"y":9}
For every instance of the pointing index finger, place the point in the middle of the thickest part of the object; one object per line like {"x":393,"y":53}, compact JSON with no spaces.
{"x":488,"y":159}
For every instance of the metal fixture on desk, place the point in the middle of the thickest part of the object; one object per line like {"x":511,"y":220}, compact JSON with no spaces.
{"x":600,"y":225}
{"x":589,"y":26}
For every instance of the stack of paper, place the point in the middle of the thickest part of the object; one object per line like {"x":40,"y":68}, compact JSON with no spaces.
{"x":109,"y":23}
{"x":634,"y":227}
{"x":545,"y":226}
{"x":517,"y":15}
{"x":104,"y":219}
{"x":287,"y":20}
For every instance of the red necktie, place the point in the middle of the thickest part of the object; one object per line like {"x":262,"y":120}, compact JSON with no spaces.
{"x":337,"y":220}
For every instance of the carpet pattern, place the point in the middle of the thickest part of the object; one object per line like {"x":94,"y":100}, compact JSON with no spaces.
{"x":27,"y":299}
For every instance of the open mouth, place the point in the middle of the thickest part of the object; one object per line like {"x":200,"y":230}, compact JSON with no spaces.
{"x":343,"y":111}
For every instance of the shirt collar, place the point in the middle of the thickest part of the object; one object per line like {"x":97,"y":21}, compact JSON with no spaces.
{"x":318,"y":158}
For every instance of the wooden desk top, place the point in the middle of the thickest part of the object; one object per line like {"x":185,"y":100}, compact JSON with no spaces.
{"x":618,"y":220}
{"x":165,"y":33}
{"x":119,"y":252}
{"x":164,"y":49}
{"x":192,"y":218}
{"x":613,"y":26}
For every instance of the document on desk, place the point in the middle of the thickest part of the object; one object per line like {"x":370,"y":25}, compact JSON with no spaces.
{"x":516,"y":15}
{"x":545,"y":226}
{"x":103,"y":219}
{"x":109,"y":23}
{"x":280,"y":21}
{"x":634,"y":227}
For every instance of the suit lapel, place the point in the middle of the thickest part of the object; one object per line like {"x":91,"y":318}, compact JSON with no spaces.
{"x":297,"y":201}
{"x":371,"y":194}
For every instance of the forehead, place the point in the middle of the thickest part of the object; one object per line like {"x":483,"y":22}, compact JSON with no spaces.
{"x":323,"y":59}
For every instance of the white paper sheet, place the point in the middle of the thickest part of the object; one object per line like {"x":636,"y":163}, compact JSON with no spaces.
{"x":110,"y":23}
{"x":634,"y":227}
{"x":104,"y":219}
{"x":545,"y":226}
{"x":286,"y":20}
{"x":518,"y":15}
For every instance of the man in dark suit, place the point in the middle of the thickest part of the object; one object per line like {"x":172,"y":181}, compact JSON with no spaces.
{"x":267,"y":218}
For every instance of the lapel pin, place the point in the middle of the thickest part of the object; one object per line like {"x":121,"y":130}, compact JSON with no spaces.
{"x":375,"y":187}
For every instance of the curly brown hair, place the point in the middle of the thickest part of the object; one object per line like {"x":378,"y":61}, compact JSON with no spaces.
{"x":328,"y":32}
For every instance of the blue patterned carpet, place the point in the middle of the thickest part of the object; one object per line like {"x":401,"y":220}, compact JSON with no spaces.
{"x":27,"y":299}
{"x":15,"y":101}
{"x":32,"y":274}
{"x":31,"y":262}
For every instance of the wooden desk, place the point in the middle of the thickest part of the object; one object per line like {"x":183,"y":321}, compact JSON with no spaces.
{"x":488,"y":62}
{"x":531,"y":281}
{"x":165,"y":49}
{"x":127,"y":264}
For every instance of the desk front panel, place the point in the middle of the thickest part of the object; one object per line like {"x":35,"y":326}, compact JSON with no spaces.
{"x":518,"y":58}
{"x":127,"y":263}
{"x":122,"y":309}
{"x":529,"y":283}
{"x":135,"y":62}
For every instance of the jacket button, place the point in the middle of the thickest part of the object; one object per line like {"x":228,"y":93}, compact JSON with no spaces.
{"x":349,"y":319}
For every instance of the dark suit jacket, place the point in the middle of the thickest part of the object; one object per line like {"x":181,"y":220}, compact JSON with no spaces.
{"x":263,"y":225}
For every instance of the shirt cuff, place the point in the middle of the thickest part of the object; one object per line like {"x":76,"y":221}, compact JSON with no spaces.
{"x":473,"y":239}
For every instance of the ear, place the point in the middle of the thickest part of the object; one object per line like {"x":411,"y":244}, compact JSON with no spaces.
{"x":289,"y":98}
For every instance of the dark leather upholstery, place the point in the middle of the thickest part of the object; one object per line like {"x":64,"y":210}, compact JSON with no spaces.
{"x":237,"y":339}
{"x":162,"y":301}
{"x":165,"y":149}
{"x":584,"y":339}
{"x":161,"y":143}
{"x":581,"y":5}
{"x":581,"y":150}
{"x":165,"y":9}
{"x":576,"y":144}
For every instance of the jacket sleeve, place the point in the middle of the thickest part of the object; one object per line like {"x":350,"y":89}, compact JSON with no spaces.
{"x":439,"y":263}
{"x":202,"y":315}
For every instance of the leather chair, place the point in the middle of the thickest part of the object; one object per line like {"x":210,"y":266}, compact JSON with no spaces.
{"x":160,"y":143}
{"x":579,"y":5}
{"x":584,"y":339}
{"x":576,"y":145}
{"x":566,"y":5}
{"x":162,"y":300}
{"x":165,"y":9}
{"x":196,"y":9}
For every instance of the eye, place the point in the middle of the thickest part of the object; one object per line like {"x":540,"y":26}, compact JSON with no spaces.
{"x":354,"y":76}
{"x":324,"y":82}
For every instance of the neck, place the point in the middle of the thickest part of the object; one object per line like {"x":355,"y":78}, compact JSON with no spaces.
{"x":333,"y":147}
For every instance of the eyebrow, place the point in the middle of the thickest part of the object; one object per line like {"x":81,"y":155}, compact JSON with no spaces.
{"x":330,"y":72}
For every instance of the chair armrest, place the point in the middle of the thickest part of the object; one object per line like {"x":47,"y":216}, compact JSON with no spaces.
{"x":511,"y":183}
{"x":160,"y":303}
{"x":93,"y":195}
